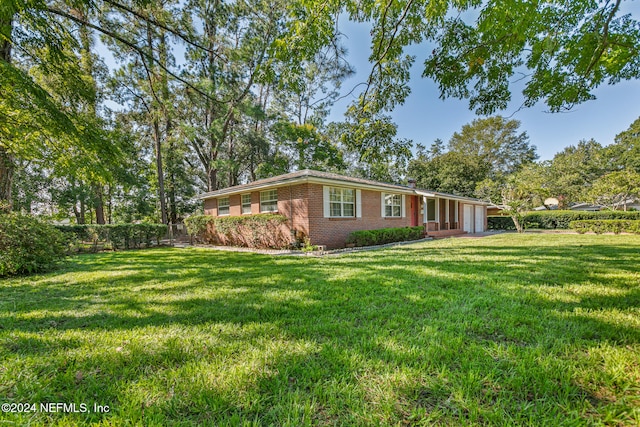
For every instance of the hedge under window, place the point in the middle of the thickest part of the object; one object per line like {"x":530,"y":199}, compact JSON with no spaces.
{"x":269,"y":201}
{"x":341,"y":202}
{"x":223,"y":206}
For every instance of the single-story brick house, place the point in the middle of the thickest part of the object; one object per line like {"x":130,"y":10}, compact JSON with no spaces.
{"x":327,"y":207}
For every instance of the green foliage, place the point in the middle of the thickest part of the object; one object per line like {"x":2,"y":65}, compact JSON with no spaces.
{"x":28,"y":245}
{"x":567,"y":48}
{"x":508,"y":330}
{"x":118,"y":236}
{"x":600,"y":226}
{"x":198,"y":225}
{"x":574,"y":169}
{"x":561,"y":220}
{"x":385,"y":235}
{"x":252,"y":231}
{"x":500,"y":223}
{"x":615,"y":189}
{"x":489,"y":148}
{"x":311,"y":149}
{"x":625,"y":152}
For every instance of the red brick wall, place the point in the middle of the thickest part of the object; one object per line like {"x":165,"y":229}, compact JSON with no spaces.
{"x":293,"y":203}
{"x":333,"y":232}
{"x":211,"y":207}
{"x":303,"y":205}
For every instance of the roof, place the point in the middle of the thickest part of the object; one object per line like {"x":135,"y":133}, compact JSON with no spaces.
{"x":308,"y":175}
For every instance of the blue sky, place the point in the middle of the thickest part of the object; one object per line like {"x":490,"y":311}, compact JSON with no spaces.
{"x":425,"y":117}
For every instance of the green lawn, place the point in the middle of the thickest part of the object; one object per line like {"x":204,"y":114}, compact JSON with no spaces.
{"x":504,"y":330}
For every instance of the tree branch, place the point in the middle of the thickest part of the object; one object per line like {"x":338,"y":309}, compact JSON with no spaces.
{"x":163,"y":26}
{"x":132,"y":46}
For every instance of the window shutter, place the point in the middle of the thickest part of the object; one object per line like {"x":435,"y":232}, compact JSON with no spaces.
{"x":358,"y":204}
{"x":382,"y":205}
{"x":326,"y":201}
{"x":404,"y":207}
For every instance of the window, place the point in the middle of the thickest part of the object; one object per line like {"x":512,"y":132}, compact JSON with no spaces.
{"x":431,"y":209}
{"x":342,"y":202}
{"x":223,"y":206}
{"x":393,"y":205}
{"x":246,"y":203}
{"x":269,"y":201}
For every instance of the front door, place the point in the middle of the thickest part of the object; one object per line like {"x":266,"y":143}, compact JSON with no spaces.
{"x":415,"y":210}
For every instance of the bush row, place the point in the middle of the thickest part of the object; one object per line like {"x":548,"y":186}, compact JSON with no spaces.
{"x":557,"y":219}
{"x":385,"y":235}
{"x":606,"y":226}
{"x":119,"y":236}
{"x":28,"y":245}
{"x":263,"y":231}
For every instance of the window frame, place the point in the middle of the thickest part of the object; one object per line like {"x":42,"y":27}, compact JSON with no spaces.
{"x":227,"y":206}
{"x":243,"y":204}
{"x":342,"y":202}
{"x":270,"y":202}
{"x":392,"y":197}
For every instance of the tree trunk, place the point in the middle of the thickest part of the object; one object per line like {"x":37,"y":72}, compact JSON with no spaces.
{"x":159,"y":170}
{"x":157,"y":137}
{"x":98,"y":203}
{"x":6,"y":159}
{"x":88,"y":66}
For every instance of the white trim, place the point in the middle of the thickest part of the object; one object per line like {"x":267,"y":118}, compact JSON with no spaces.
{"x":342,"y":191}
{"x":437,"y":219}
{"x":358,"y":203}
{"x":383,"y":202}
{"x":446,"y":213}
{"x":228,"y":206}
{"x":269,"y":200}
{"x":325,"y":200}
{"x":424,"y":209}
{"x":242,"y":204}
{"x":455,"y":211}
{"x":403,"y":207}
{"x":308,"y":179}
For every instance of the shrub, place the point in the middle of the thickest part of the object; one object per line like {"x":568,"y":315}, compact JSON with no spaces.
{"x":119,"y":236}
{"x":385,"y":235}
{"x":28,"y":245}
{"x":198,"y":226}
{"x":252,"y":231}
{"x":606,"y":226}
{"x":557,"y":219}
{"x":500,"y":223}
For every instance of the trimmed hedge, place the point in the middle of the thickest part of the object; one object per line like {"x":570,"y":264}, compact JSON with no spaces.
{"x":606,"y":226}
{"x":28,"y":245}
{"x":550,"y":220}
{"x":385,"y":235}
{"x":119,"y":236}
{"x":500,"y":223}
{"x":261,"y":231}
{"x":198,"y":225}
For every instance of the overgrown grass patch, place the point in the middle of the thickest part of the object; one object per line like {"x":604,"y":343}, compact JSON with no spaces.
{"x":506,"y":330}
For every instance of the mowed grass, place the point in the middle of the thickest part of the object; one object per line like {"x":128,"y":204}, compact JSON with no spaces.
{"x":505,"y":330}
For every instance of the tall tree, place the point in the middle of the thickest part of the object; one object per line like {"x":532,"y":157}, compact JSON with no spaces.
{"x":518,"y":193}
{"x":574,"y":169}
{"x":615,"y":189}
{"x":625,"y":151}
{"x":490,"y":148}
